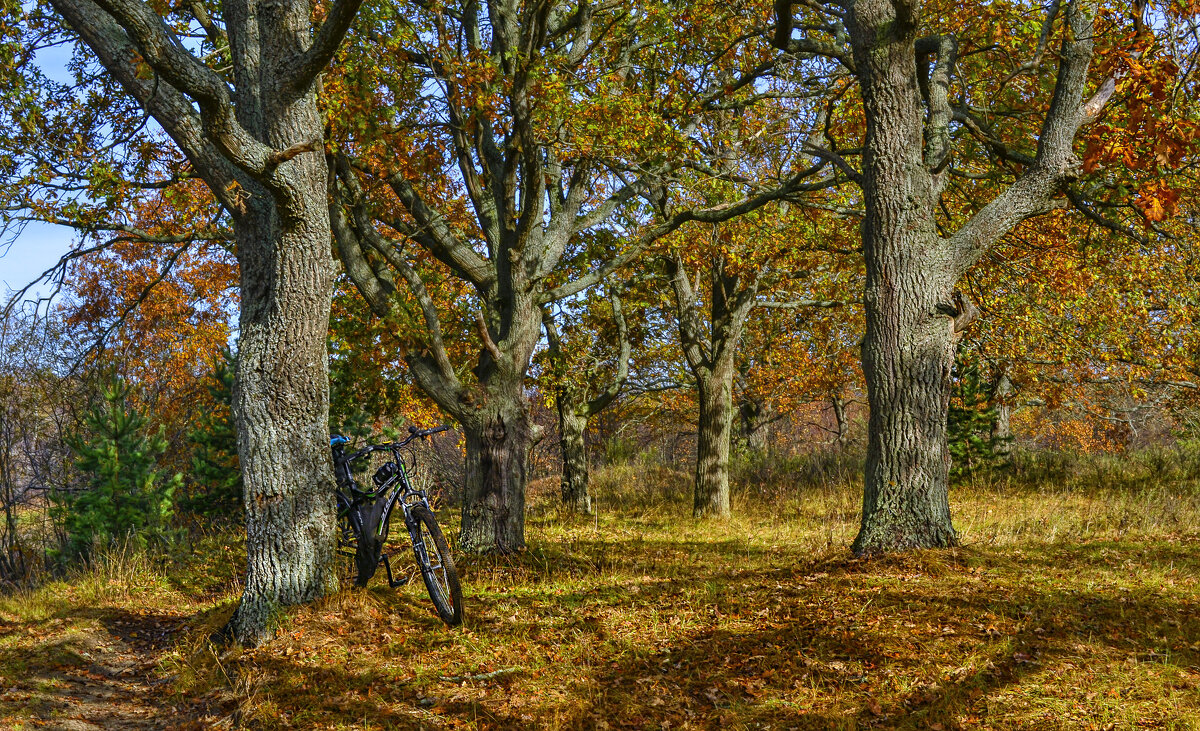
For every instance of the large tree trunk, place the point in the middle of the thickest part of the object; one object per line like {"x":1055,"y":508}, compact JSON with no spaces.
{"x":911,"y":270}
{"x":839,"y":417}
{"x":709,"y":352}
{"x":713,"y":440}
{"x":908,"y":350}
{"x":907,"y":362}
{"x":256,"y":141}
{"x":282,"y":410}
{"x":571,"y":428}
{"x":281,"y":399}
{"x":498,"y":441}
{"x":498,"y":431}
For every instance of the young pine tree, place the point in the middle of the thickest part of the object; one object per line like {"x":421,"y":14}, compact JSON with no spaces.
{"x":974,"y":446}
{"x":125,"y":495}
{"x":216,"y":473}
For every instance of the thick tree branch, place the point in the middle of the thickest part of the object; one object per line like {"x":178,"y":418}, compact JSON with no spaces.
{"x":437,"y":345}
{"x":605,"y":397}
{"x":695,"y":348}
{"x":804,"y":304}
{"x":782,"y":39}
{"x":373,"y":289}
{"x":441,"y":241}
{"x":179,"y":68}
{"x":489,"y":345}
{"x":434,"y":368}
{"x":216,"y":34}
{"x":714,"y":214}
{"x":1039,"y":52}
{"x":935,"y":87}
{"x":325,"y":44}
{"x":1056,"y":163}
{"x":165,"y":103}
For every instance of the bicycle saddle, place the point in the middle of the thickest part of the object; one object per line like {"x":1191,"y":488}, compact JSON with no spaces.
{"x":338,"y":440}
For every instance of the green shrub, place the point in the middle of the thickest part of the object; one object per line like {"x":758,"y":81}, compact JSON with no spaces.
{"x":971,"y":422}
{"x":125,"y":495}
{"x":215,"y":487}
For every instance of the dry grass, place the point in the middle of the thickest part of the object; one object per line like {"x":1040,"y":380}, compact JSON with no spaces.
{"x":1066,"y":608}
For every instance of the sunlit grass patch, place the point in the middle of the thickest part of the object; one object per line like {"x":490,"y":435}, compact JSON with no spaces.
{"x":1065,"y":608}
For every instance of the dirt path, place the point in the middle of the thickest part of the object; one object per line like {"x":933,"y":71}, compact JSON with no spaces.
{"x":102,"y":677}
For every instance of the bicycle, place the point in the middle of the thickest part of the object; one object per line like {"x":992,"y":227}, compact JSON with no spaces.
{"x":364,"y":517}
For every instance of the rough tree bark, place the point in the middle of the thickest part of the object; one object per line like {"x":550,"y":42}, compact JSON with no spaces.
{"x":1002,"y":398}
{"x":256,"y":142}
{"x":911,"y":268}
{"x":756,"y":416}
{"x":497,"y":441}
{"x":839,"y":417}
{"x":575,"y":469}
{"x":908,"y":350}
{"x":713,"y":438}
{"x":711,"y":358}
{"x":575,"y":409}
{"x":281,"y":403}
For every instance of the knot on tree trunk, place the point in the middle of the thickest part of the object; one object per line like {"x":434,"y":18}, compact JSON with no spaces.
{"x":960,"y":309}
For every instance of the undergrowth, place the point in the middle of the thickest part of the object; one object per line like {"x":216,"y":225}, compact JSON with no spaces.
{"x":1071,"y":604}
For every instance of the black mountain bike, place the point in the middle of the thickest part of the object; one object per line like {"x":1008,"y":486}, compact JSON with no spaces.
{"x":364,"y":516}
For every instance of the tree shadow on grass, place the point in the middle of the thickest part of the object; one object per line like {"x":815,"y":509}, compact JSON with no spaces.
{"x":838,"y":669}
{"x":67,"y":676}
{"x":771,"y":638}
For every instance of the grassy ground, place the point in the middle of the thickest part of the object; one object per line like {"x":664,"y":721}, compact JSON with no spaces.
{"x":1064,"y":609}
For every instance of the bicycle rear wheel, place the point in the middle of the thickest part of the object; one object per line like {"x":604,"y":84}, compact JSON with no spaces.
{"x":349,"y":528}
{"x":437,"y":567}
{"x":370,"y":541}
{"x":358,"y":538}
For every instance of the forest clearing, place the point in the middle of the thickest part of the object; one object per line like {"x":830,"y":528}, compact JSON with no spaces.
{"x":598,"y":364}
{"x":1066,"y":607}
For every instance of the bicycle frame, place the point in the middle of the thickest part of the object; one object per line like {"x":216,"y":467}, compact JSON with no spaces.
{"x":397,"y":490}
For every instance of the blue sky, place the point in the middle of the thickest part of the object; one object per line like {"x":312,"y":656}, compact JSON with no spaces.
{"x":28,"y":255}
{"x":25,"y":257}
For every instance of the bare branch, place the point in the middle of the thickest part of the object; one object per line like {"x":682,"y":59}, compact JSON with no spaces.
{"x":1094,"y":216}
{"x":98,"y":343}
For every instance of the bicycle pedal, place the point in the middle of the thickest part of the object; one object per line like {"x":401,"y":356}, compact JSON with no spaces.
{"x":400,"y":582}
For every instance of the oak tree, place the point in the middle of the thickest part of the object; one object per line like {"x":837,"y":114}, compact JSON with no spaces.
{"x":235,"y":89}
{"x":916,"y":107}
{"x":493,"y":136}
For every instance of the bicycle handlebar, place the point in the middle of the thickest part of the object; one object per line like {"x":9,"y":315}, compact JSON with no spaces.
{"x":413,"y":433}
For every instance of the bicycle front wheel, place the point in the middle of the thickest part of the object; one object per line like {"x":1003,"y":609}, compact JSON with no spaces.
{"x":437,"y":567}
